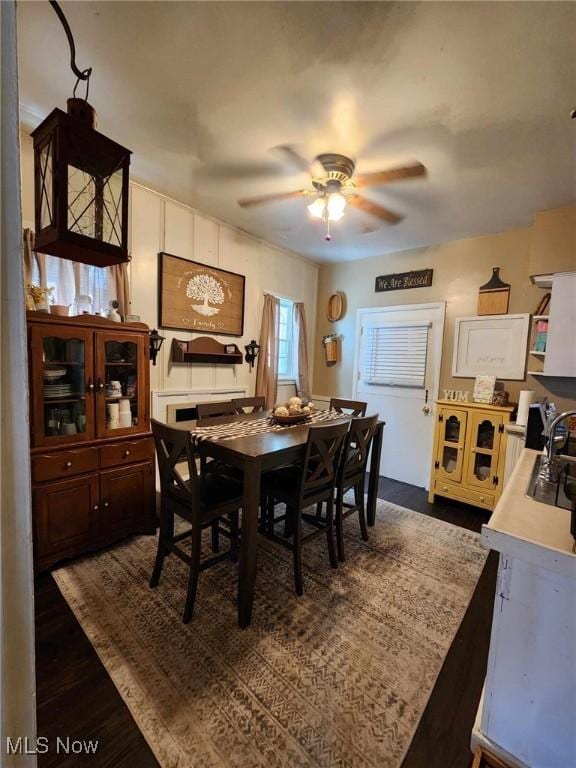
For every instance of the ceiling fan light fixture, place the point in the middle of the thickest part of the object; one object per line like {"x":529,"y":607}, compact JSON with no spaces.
{"x":328,"y":207}
{"x":317,"y":207}
{"x":336,"y":206}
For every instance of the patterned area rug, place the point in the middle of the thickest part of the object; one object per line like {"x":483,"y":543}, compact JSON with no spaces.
{"x":338,"y":677}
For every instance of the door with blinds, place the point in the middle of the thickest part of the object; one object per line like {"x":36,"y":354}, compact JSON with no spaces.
{"x":397,"y":372}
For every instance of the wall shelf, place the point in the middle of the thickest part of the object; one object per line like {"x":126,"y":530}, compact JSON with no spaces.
{"x":542,"y":281}
{"x":205,"y":350}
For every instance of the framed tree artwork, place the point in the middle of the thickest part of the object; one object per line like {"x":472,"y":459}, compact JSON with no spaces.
{"x":198,"y":297}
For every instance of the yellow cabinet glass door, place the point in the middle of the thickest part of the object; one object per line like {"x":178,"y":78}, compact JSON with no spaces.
{"x":450,"y":448}
{"x":483,"y":449}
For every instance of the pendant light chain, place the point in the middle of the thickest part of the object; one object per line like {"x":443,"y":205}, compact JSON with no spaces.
{"x":83,"y":74}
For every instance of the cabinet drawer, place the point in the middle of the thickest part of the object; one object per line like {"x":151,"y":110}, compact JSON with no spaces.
{"x":465,"y":494}
{"x":58,"y":466}
{"x":126,"y":452}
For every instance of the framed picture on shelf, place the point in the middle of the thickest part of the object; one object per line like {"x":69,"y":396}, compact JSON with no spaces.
{"x":198,"y":297}
{"x":491,"y":345}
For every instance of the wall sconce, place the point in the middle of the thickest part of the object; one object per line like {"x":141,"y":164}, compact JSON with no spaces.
{"x":80,"y":181}
{"x":156,"y":342}
{"x":252,"y":350}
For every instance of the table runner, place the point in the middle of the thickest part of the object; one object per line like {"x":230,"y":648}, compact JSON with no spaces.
{"x":230,"y":430}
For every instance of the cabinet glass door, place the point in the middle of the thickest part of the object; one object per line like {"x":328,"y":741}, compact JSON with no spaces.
{"x":62,"y":385}
{"x":450,"y":449}
{"x":122,"y":375}
{"x":482,"y":458}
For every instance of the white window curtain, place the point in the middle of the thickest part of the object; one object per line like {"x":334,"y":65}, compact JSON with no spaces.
{"x":267,"y":370}
{"x":70,"y":279}
{"x":395,"y":354}
{"x":301,"y":350}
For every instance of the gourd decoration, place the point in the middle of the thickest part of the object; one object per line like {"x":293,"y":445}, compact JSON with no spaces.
{"x":336,"y":306}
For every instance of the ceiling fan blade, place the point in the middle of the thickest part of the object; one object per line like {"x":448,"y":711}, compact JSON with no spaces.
{"x":247,"y":202}
{"x":363,"y":204}
{"x":392,"y":174}
{"x":293,"y":157}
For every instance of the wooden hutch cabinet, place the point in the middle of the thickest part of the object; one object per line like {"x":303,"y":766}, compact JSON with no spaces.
{"x":469,"y":452}
{"x":92,"y":450}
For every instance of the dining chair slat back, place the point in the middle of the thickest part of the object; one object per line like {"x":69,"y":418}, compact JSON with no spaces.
{"x":249,"y":404}
{"x":216,"y":408}
{"x":173,"y":451}
{"x":301,"y":486}
{"x":348,"y":407}
{"x":352,"y":476}
{"x":357,"y":447}
{"x":322,"y":460}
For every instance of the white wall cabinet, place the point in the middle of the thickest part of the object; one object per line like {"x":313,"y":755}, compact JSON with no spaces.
{"x":560,"y":359}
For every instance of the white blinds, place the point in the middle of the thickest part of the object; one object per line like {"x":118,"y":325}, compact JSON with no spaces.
{"x":395,"y":354}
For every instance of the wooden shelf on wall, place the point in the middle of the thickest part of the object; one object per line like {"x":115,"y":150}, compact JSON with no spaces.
{"x":204,"y":350}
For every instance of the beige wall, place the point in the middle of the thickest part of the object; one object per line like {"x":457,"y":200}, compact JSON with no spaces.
{"x":460,"y":267}
{"x":553,"y":241}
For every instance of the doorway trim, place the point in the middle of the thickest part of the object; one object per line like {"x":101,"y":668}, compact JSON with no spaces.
{"x":438,"y":342}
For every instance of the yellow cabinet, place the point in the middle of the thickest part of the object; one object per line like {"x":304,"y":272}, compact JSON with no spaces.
{"x":470,"y":449}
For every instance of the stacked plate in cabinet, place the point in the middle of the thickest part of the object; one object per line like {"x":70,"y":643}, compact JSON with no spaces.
{"x":53,"y":391}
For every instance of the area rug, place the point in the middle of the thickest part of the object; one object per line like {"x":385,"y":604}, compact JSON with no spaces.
{"x":337,"y":677}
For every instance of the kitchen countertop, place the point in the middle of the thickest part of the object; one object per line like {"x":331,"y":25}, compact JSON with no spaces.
{"x":525,"y":528}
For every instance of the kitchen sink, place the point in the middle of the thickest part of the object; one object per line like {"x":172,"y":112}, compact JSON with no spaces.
{"x":557,"y":493}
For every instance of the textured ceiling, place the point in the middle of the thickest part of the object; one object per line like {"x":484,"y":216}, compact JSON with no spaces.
{"x":202,"y":92}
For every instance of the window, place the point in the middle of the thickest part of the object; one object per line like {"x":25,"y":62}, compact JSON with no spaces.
{"x":69,"y":279}
{"x":286,"y":341}
{"x":395,"y":354}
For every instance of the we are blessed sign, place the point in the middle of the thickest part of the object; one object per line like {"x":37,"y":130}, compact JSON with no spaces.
{"x":420,"y":278}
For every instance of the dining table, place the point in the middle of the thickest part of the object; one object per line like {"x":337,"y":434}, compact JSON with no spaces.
{"x":255,"y":444}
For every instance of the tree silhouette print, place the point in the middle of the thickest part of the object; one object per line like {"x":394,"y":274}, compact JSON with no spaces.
{"x":207,"y":289}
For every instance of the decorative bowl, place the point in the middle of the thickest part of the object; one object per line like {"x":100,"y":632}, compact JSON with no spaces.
{"x":295,"y":419}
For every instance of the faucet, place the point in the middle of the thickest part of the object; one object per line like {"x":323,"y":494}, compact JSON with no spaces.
{"x":547,"y":465}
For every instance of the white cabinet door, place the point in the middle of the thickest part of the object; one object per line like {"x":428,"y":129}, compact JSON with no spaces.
{"x":529,"y":707}
{"x":560,"y":357}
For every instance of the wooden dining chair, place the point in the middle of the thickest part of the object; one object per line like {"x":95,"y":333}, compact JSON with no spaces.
{"x":301,"y":487}
{"x":201,"y":501}
{"x":348,"y":407}
{"x":352,"y":476}
{"x":211,"y":410}
{"x":249,"y":404}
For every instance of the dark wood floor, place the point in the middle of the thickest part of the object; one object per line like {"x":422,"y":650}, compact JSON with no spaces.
{"x":76,"y":697}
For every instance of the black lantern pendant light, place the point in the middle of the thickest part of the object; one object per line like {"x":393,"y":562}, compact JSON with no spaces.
{"x":80,"y":181}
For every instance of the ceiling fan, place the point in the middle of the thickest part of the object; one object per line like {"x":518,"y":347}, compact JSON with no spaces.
{"x":334,"y":186}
